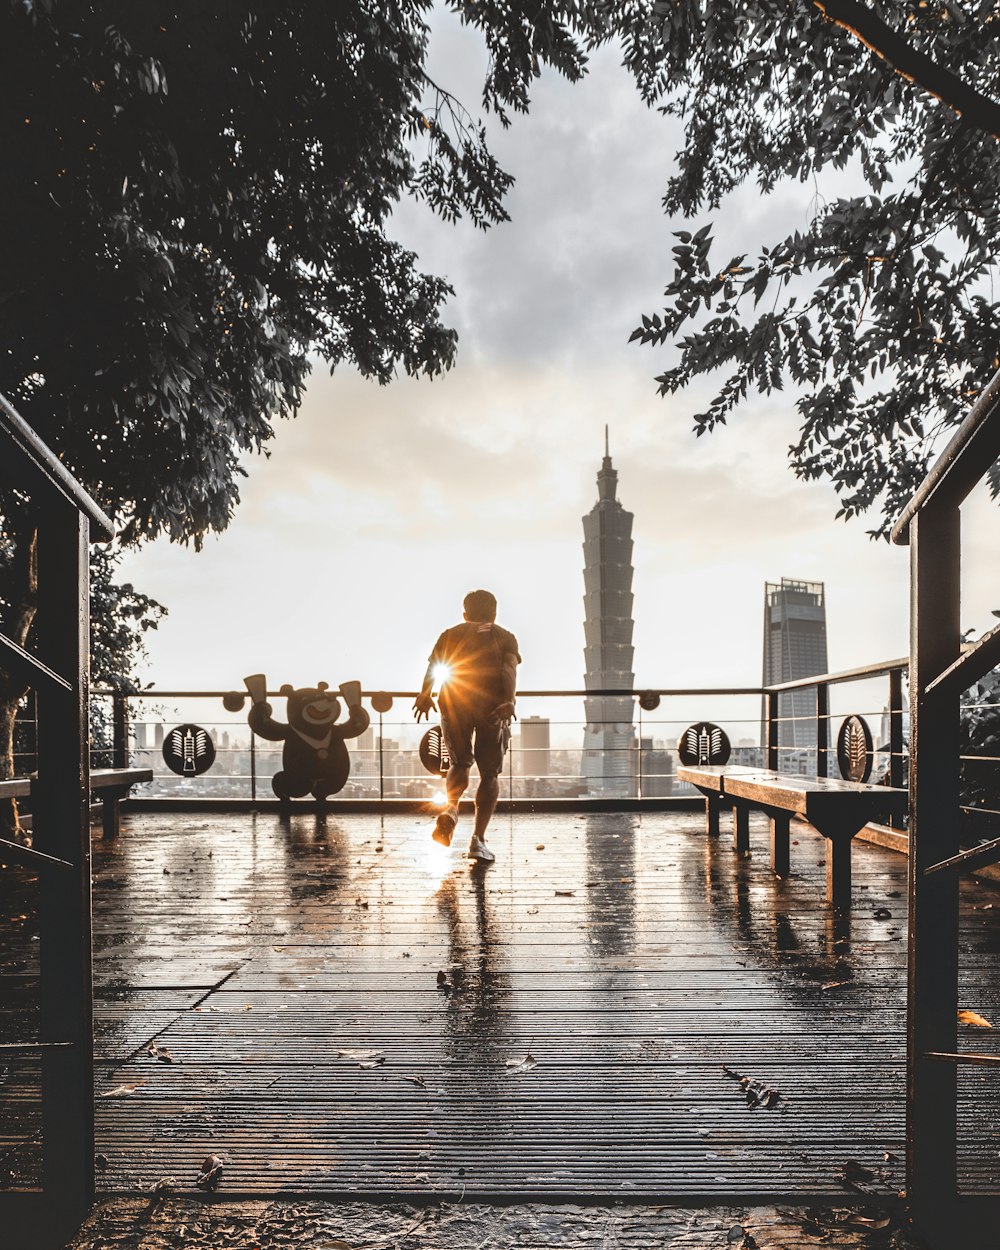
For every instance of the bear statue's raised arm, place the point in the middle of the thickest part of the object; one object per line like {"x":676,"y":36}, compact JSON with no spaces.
{"x":264,"y":725}
{"x":357,"y":722}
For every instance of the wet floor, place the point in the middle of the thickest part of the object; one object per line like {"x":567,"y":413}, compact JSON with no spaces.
{"x":124,"y":1225}
{"x":620,"y":1009}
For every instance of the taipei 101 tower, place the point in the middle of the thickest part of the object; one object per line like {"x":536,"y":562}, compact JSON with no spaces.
{"x":609,"y":743}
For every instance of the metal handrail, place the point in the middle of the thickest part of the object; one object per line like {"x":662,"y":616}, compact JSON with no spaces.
{"x":845,"y":675}
{"x":53,"y":470}
{"x":974,"y":446}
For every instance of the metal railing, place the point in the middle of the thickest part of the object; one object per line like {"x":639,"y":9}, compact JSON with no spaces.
{"x":549,"y":759}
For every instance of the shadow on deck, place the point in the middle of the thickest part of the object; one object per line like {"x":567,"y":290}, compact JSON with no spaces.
{"x":268,"y":992}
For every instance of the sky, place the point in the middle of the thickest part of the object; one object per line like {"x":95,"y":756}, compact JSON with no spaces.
{"x":379,"y":507}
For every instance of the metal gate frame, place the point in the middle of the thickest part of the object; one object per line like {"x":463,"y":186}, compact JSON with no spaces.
{"x":941,"y":668}
{"x":67,"y":520}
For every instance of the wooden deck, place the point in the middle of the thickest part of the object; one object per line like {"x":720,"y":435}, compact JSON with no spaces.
{"x":238,"y":958}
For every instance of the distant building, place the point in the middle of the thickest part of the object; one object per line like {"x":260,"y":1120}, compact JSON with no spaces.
{"x":534,"y":756}
{"x":794,"y":647}
{"x":609,"y":745}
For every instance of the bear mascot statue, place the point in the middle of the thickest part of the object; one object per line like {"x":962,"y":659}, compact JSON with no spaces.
{"x":314,"y":760}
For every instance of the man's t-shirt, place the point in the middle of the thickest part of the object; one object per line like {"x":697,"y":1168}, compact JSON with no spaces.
{"x":474,"y":652}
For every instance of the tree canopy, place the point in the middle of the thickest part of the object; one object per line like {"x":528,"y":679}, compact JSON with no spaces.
{"x":199,"y":196}
{"x":881,"y":311}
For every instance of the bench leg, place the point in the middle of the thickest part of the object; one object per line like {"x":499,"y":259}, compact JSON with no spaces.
{"x":838,"y":872}
{"x":779,"y":844}
{"x":712,"y":815}
{"x":111,"y":815}
{"x":741,"y":828}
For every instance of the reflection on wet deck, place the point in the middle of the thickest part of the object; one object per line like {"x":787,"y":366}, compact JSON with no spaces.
{"x":628,"y":956}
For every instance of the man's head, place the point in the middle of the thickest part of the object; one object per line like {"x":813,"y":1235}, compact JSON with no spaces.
{"x":480,"y":605}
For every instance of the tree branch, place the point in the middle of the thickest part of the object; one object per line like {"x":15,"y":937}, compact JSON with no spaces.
{"x":915,"y":66}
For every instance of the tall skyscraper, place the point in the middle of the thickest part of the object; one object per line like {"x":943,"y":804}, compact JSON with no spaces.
{"x":609,"y":745}
{"x":794,"y":647}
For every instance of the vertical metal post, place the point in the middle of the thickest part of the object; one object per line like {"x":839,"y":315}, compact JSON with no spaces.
{"x":896,"y":728}
{"x":638,"y":769}
{"x":772,"y":729}
{"x":119,"y":730}
{"x":381,"y":763}
{"x":61,"y":816}
{"x":935,"y":642}
{"x":822,"y":728}
{"x":253,"y":767}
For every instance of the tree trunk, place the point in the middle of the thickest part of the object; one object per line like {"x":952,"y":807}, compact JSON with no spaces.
{"x":23,"y":601}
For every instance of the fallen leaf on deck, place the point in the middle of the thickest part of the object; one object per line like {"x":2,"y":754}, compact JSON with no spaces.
{"x":372,"y":1063}
{"x":159,"y":1052}
{"x":522,"y":1065}
{"x":120,"y":1091}
{"x":858,"y":1219}
{"x":362,"y":1056}
{"x":211,"y":1171}
{"x":443,"y":982}
{"x":565,"y":893}
{"x":757,"y":1093}
{"x":834,"y":985}
{"x":163,"y":1187}
{"x":416,"y":1080}
{"x":540,"y":846}
{"x":975,"y":1019}
{"x":882,"y":913}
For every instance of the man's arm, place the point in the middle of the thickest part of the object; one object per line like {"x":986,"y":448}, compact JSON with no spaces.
{"x":508,"y":677}
{"x":423,"y":704}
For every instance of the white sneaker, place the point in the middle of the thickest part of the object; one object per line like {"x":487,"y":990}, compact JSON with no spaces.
{"x":479,"y":850}
{"x":444,"y":826}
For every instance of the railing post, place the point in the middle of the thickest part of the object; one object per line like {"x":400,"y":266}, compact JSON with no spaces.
{"x":119,"y":730}
{"x":895,"y":727}
{"x":822,"y":728}
{"x":381,"y":762}
{"x":253,"y":767}
{"x":772,"y":728}
{"x":935,"y":642}
{"x":61,"y":822}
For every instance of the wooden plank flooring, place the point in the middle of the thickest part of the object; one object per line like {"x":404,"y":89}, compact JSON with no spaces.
{"x":629,"y":956}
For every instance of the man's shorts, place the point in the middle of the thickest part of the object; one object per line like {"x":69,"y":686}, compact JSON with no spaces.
{"x":484,"y":742}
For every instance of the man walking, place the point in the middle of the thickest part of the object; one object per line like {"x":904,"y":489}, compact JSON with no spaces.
{"x":475,"y":666}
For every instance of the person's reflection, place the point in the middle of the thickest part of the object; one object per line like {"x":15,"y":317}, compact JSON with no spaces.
{"x":480,"y":1035}
{"x":610,"y":842}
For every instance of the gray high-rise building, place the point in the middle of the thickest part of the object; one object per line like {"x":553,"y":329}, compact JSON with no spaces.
{"x":794,"y":647}
{"x":609,"y":745}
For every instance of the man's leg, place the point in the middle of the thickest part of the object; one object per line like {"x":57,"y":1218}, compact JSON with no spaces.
{"x":486,"y":805}
{"x":456,"y":783}
{"x":457,"y":740}
{"x":491,"y":743}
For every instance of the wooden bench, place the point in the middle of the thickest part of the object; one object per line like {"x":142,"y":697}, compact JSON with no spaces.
{"x":836,"y":809}
{"x":110,"y":785}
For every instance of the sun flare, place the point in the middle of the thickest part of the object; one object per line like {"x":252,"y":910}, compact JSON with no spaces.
{"x":440,"y":673}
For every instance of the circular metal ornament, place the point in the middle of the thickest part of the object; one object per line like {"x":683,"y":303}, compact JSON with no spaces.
{"x":381,"y":701}
{"x":233,"y":702}
{"x":854,"y":749}
{"x":649,"y":700}
{"x":433,"y":752}
{"x":703,"y":743}
{"x":188,"y":751}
